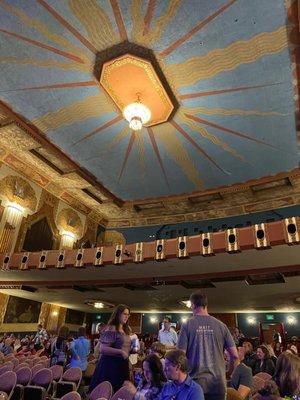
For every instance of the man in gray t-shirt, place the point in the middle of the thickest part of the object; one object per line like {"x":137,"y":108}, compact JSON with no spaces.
{"x":204,"y":339}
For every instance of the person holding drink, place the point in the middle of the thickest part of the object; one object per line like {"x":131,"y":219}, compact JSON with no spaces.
{"x":115,"y":345}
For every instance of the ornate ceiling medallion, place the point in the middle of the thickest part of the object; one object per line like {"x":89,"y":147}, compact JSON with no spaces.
{"x":137,"y":86}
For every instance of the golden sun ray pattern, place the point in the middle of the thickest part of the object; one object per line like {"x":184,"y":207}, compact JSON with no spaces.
{"x":207,"y":135}
{"x":241,"y":52}
{"x":159,"y":26}
{"x":140,"y":142}
{"x":47,"y":33}
{"x":177,"y":151}
{"x":95,"y":21}
{"x":76,"y":112}
{"x":116,"y":140}
{"x":43,"y":63}
{"x":233,"y":111}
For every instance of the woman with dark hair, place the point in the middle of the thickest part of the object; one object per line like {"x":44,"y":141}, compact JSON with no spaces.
{"x":59,"y":347}
{"x":287,"y":374}
{"x":113,"y":365}
{"x":263,"y":361}
{"x":153,"y":381}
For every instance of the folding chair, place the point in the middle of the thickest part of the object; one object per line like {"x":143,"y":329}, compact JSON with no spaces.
{"x":103,"y":390}
{"x":39,"y":385}
{"x":69,"y":382}
{"x":8,"y":382}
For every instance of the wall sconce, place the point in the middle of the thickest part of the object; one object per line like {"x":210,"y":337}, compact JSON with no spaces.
{"x":251,"y":320}
{"x":15,"y":213}
{"x":291,"y":320}
{"x":153,"y":320}
{"x":54,"y":313}
{"x":184,"y":319}
{"x":67,"y":239}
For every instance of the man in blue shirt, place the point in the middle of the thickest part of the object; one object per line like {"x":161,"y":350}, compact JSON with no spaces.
{"x":180,"y":385}
{"x":167,"y":335}
{"x":80,"y":349}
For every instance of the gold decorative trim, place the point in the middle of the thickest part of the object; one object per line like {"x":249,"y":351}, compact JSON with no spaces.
{"x":17,"y":190}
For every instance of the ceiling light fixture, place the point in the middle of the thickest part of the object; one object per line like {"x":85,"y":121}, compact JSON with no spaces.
{"x":137,"y":114}
{"x":186,"y":303}
{"x":98,"y":305}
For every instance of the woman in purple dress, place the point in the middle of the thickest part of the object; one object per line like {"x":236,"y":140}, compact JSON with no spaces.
{"x":113,"y":364}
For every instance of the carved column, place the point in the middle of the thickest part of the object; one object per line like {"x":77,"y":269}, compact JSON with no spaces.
{"x":3,"y":304}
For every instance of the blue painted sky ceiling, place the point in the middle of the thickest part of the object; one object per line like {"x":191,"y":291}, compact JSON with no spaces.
{"x":228,"y":63}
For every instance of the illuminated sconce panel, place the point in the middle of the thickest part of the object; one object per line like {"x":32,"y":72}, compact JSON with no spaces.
{"x":291,"y":320}
{"x":251,"y":320}
{"x":67,"y":240}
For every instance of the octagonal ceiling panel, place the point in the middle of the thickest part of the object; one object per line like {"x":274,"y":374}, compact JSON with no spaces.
{"x":130,"y":78}
{"x":229,"y":64}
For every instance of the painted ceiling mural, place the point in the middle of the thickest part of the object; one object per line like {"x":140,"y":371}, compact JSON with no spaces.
{"x":227,"y":63}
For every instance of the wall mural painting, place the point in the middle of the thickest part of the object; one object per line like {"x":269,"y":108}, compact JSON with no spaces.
{"x":20,"y":310}
{"x":74,"y":317}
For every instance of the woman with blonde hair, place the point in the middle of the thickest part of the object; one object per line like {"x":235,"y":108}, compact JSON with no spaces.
{"x":287,"y":374}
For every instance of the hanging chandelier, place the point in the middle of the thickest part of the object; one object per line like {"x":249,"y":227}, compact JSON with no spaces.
{"x":137,"y":114}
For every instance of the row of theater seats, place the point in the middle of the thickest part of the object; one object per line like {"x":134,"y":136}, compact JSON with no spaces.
{"x":28,"y":378}
{"x":31,"y":378}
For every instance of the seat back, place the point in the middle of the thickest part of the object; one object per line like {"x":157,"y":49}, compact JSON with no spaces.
{"x":123,"y":394}
{"x":57,"y":372}
{"x":36,"y":368}
{"x":8,"y":381}
{"x":72,"y":375}
{"x":15,"y":361}
{"x":23,"y":375}
{"x":71,"y":396}
{"x":8,"y":366}
{"x":29,"y":361}
{"x":104,"y":390}
{"x":22,"y":365}
{"x":9,"y":357}
{"x":42,"y":378}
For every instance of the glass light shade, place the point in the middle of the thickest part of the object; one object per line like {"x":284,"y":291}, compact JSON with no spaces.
{"x":99,"y":305}
{"x":135,"y":124}
{"x":67,"y":239}
{"x":14,"y":214}
{"x":137,"y":114}
{"x":187,"y":303}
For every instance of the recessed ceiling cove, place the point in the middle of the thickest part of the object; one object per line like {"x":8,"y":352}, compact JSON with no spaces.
{"x":129,"y":79}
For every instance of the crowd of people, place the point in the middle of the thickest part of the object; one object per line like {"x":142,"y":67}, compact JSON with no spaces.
{"x":201,"y":362}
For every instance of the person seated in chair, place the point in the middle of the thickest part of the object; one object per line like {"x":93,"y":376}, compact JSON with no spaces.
{"x":180,"y":385}
{"x":241,"y":378}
